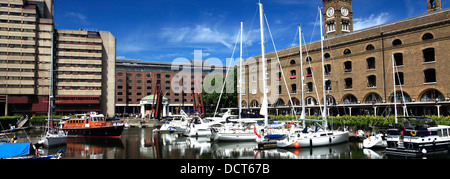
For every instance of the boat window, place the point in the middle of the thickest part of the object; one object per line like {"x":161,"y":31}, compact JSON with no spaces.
{"x":445,"y":132}
{"x":440,"y":133}
{"x":323,"y":134}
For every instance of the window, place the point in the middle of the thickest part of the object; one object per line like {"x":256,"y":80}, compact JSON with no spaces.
{"x":138,"y":76}
{"x":372,"y":81}
{"x":293,"y":74}
{"x":401,"y":96}
{"x":308,"y":59}
{"x":348,"y":83}
{"x":309,"y":87}
{"x":429,"y":55}
{"x":294,"y":88}
{"x":430,"y":76}
{"x":309,"y":72}
{"x":345,"y":26}
{"x":279,"y":89}
{"x":327,"y":55}
{"x":254,"y":79}
{"x":398,"y":58}
{"x":373,"y":98}
{"x":328,"y":85}
{"x":370,"y":47}
{"x":399,"y":79}
{"x":350,"y":99}
{"x":397,"y":42}
{"x":292,"y":62}
{"x":427,"y":36}
{"x":371,"y":63}
{"x":327,"y":70}
{"x":347,"y":52}
{"x":431,"y":96}
{"x":347,"y":67}
{"x":254,"y":103}
{"x":311,"y":101}
{"x":167,"y":76}
{"x":331,"y":27}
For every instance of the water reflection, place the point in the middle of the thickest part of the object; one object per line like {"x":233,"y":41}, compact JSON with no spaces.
{"x":142,"y":143}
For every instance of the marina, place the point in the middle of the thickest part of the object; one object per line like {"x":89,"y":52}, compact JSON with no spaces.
{"x":143,"y":143}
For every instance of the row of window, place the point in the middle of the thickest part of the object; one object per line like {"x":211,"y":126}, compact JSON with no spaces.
{"x":16,"y":62}
{"x":15,"y":78}
{"x":430,"y":95}
{"x":80,"y":80}
{"x":79,"y":50}
{"x":16,"y":29}
{"x":79,"y":58}
{"x":17,"y":14}
{"x":10,"y":5}
{"x":17,"y":54}
{"x":17,"y":22}
{"x":16,"y":45}
{"x":78,"y":88}
{"x":77,"y":73}
{"x":79,"y":65}
{"x":429,"y":75}
{"x":16,"y":37}
{"x":79,"y":43}
{"x":16,"y":86}
{"x":16,"y":70}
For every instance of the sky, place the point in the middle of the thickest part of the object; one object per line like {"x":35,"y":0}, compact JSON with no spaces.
{"x":163,"y":30}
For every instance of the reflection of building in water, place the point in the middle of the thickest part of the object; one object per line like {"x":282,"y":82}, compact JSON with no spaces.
{"x":94,"y":148}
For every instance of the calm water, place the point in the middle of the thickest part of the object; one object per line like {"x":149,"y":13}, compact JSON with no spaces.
{"x":137,"y":143}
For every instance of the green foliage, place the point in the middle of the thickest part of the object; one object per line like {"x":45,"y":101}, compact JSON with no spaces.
{"x":6,"y":120}
{"x":211,"y":91}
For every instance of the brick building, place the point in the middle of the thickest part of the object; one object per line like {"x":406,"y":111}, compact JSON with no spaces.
{"x":137,"y":79}
{"x":358,"y":66}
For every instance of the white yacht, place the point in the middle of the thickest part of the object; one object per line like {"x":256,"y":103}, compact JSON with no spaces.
{"x":198,"y":127}
{"x":235,"y":132}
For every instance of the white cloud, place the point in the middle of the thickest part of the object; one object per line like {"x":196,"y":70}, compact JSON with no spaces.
{"x":198,"y":35}
{"x":373,"y":20}
{"x":78,"y":16}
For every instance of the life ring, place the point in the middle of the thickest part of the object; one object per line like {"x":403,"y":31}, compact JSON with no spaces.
{"x":414,"y":133}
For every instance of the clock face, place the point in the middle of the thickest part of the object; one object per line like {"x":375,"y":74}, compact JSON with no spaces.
{"x":330,"y":12}
{"x":344,"y":11}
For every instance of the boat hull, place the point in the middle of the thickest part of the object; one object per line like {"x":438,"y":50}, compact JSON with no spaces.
{"x":233,"y":137}
{"x":53,"y":141}
{"x":97,"y":132}
{"x":416,"y":146}
{"x":336,"y":138}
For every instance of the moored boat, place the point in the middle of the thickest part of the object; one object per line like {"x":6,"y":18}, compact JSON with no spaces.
{"x":92,"y":125}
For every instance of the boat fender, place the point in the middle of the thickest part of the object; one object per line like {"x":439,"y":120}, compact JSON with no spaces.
{"x":310,"y":142}
{"x":330,"y":139}
{"x":414,"y":133}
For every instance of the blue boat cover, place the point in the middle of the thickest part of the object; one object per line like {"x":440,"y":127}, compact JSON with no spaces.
{"x":14,"y":149}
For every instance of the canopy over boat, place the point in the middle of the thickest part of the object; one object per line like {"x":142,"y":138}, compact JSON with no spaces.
{"x":14,"y":149}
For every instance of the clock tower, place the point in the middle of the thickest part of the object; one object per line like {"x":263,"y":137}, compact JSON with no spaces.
{"x":338,"y":17}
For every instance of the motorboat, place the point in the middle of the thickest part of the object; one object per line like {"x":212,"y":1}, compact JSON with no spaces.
{"x":376,"y":141}
{"x":305,"y":139}
{"x":417,"y":136}
{"x":92,"y":125}
{"x":235,"y":132}
{"x":198,"y":127}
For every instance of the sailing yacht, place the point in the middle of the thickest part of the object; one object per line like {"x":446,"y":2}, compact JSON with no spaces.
{"x":318,"y":137}
{"x":53,"y":136}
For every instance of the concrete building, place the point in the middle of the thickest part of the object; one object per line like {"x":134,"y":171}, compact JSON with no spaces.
{"x":84,"y":62}
{"x":358,"y":67}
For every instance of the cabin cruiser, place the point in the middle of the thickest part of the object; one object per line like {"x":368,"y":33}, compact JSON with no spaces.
{"x":198,"y":127}
{"x":92,"y":125}
{"x":234,"y":131}
{"x":376,"y":141}
{"x":308,"y":138}
{"x":418,"y":136}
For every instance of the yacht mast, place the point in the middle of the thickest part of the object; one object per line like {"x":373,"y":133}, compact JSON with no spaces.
{"x":303,"y":116}
{"x":324,"y":112}
{"x":395,"y":91}
{"x":264,"y":105}
{"x":240,"y":73}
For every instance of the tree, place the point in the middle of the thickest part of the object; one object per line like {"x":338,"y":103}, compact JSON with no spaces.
{"x":211,"y":91}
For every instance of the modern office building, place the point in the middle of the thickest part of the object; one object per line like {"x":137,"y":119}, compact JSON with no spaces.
{"x":83,"y":63}
{"x":359,"y":67}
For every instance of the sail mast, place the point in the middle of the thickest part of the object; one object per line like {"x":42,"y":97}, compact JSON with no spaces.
{"x":395,"y":92}
{"x":302,"y":116}
{"x":240,"y":73}
{"x":324,"y":112}
{"x":264,"y":105}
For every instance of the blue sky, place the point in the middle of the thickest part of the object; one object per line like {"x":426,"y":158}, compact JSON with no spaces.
{"x":163,"y":30}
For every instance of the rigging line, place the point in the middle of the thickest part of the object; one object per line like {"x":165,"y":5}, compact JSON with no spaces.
{"x":312,"y":71}
{"x":228,"y":70}
{"x":276,"y":52}
{"x":338,"y":86}
{"x":405,"y":111}
{"x":246,"y":38}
